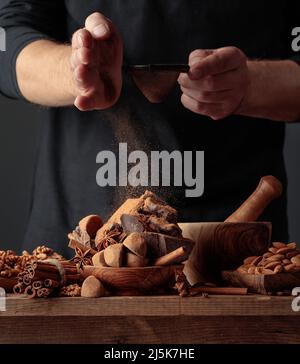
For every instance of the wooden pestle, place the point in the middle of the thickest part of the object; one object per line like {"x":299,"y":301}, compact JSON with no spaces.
{"x":268,"y":189}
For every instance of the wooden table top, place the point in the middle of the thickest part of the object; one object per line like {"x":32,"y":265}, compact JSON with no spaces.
{"x":250,"y":305}
{"x":151,"y":319}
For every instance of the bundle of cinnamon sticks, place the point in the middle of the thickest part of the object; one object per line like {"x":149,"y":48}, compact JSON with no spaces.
{"x":44,"y":278}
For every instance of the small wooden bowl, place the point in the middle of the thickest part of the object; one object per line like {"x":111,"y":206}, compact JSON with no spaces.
{"x":261,"y":283}
{"x":134,"y":281}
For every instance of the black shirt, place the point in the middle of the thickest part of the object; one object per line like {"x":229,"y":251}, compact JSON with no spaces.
{"x":238,"y":150}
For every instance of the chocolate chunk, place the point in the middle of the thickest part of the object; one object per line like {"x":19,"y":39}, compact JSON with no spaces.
{"x":131,"y":224}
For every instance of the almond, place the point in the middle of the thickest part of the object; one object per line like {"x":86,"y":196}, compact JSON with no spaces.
{"x":259,"y":270}
{"x":291,"y":268}
{"x":256,"y":260}
{"x":268,"y":254}
{"x":251,"y":270}
{"x":292,"y":245}
{"x":262,"y":263}
{"x":278,"y":269}
{"x":273,"y":250}
{"x":275,"y":257}
{"x":292,"y":254}
{"x":267,"y":271}
{"x":286,"y":261}
{"x":284,"y":250}
{"x":271,"y":265}
{"x":296,"y":260}
{"x":278,"y":245}
{"x":249,"y":260}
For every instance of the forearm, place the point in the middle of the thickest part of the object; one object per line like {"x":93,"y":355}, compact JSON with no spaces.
{"x":44,"y":74}
{"x":274,"y":91}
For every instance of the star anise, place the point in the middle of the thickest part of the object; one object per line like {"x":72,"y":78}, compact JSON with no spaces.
{"x":82,"y":258}
{"x":114,"y":235}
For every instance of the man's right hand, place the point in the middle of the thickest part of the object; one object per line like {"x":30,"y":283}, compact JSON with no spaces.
{"x":96,"y":63}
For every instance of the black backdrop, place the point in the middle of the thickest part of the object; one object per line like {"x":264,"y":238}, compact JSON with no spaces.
{"x":19,"y":123}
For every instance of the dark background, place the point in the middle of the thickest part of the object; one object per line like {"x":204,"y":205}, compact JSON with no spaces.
{"x":19,"y":128}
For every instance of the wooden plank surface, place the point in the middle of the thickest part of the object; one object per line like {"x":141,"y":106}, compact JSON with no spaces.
{"x":251,"y":305}
{"x":149,"y":330}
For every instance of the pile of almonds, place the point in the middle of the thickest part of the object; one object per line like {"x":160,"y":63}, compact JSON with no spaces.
{"x":279,"y":258}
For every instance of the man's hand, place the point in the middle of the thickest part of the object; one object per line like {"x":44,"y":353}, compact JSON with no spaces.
{"x":96,"y":63}
{"x":217,"y":82}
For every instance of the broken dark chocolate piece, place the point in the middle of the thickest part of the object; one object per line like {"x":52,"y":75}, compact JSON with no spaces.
{"x":131,"y":224}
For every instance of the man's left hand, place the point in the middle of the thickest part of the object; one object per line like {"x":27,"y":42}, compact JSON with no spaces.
{"x":216,"y":83}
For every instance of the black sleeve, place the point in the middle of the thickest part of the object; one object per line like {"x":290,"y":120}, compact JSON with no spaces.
{"x":24,"y":22}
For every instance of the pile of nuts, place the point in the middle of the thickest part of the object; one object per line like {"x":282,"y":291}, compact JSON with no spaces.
{"x":12,"y":264}
{"x":73,"y":290}
{"x":43,"y":252}
{"x":279,"y":258}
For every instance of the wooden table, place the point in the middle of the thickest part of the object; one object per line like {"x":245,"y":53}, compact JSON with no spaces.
{"x":155,"y":320}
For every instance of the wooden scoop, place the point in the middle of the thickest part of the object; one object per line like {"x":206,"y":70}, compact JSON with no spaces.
{"x":268,"y":189}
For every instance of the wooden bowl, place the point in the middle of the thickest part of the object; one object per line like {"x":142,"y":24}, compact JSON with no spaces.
{"x":134,"y":281}
{"x":222,"y":246}
{"x":261,"y":283}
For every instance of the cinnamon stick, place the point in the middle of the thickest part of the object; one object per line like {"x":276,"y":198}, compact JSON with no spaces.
{"x":37,"y":284}
{"x":171,"y":257}
{"x":27,"y":279}
{"x":42,"y":278}
{"x":30,"y":291}
{"x":42,"y":275}
{"x":18,"y":288}
{"x":46,"y":267}
{"x":49,"y":283}
{"x":43,"y":292}
{"x":218,"y":290}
